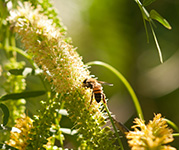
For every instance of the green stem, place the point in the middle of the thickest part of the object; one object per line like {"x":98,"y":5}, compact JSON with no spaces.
{"x":146,"y":16}
{"x":28,"y":57}
{"x":20,"y":51}
{"x":145,"y":26}
{"x":156,"y":42}
{"x":175,"y":134}
{"x":125,"y":82}
{"x":172,"y":124}
{"x":115,"y":130}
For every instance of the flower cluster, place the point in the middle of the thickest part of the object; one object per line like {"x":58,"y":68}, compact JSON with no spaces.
{"x":64,"y":69}
{"x":19,"y":137}
{"x":154,"y":136}
{"x":59,"y":60}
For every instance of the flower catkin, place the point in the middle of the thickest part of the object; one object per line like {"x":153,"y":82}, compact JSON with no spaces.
{"x":154,"y":136}
{"x":45,"y":42}
{"x":19,"y":139}
{"x":64,"y":69}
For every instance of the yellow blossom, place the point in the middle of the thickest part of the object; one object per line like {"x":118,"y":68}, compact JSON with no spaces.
{"x":19,"y":137}
{"x":152,"y":136}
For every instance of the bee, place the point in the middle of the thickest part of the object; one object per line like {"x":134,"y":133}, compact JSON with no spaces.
{"x":97,"y":89}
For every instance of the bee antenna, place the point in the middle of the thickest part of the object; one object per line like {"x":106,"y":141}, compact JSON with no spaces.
{"x":111,"y":84}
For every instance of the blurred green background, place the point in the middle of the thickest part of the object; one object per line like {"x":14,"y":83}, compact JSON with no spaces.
{"x":113,"y":32}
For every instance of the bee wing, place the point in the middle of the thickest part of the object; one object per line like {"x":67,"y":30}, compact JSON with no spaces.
{"x":105,"y":83}
{"x":120,"y":126}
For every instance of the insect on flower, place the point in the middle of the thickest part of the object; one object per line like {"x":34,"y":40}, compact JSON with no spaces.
{"x":97,"y":89}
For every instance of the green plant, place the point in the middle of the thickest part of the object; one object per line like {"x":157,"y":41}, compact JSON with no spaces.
{"x":52,"y":56}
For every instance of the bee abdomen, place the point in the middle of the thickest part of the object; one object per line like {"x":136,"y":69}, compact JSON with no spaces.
{"x":98,"y":97}
{"x":97,"y":89}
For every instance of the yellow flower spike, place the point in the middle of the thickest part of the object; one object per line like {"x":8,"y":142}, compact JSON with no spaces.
{"x":64,"y":69}
{"x":152,"y":136}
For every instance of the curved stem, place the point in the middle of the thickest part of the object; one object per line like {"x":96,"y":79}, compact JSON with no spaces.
{"x":115,"y":130}
{"x":175,"y":134}
{"x":28,"y":57}
{"x":20,"y":51}
{"x":125,"y":82}
{"x":156,"y":42}
{"x":172,"y":124}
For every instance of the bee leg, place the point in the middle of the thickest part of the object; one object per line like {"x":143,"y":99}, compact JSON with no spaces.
{"x":104,"y":98}
{"x":91,"y":98}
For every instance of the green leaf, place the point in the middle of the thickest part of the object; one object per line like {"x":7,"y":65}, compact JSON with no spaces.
{"x":16,"y":71}
{"x":6,"y":113}
{"x":16,"y":96}
{"x":148,"y":2}
{"x":25,"y":71}
{"x":155,"y":15}
{"x":7,"y":147}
